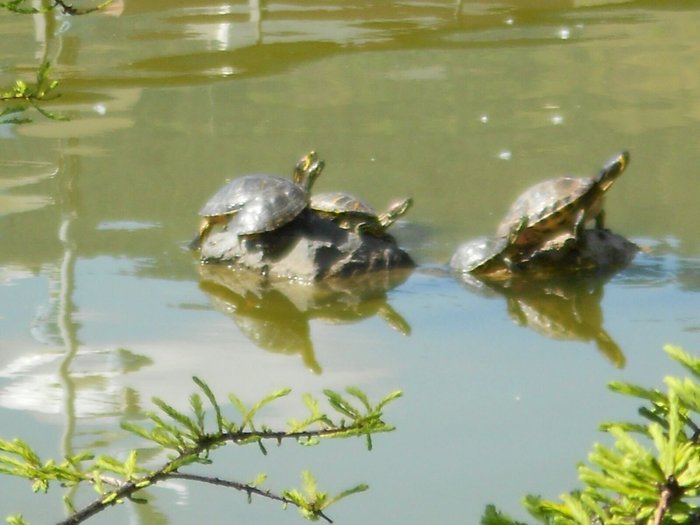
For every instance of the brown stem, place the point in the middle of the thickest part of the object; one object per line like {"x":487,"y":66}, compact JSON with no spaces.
{"x":242,"y":487}
{"x":670,"y":492}
{"x":67,"y":8}
{"x":169,"y":470}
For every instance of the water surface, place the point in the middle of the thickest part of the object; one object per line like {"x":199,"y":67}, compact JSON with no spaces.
{"x":460,"y":106}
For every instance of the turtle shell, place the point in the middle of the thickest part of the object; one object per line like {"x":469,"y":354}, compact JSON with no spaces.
{"x":547,"y":206}
{"x":261,"y":203}
{"x":557,"y":204}
{"x":265,"y":201}
{"x":231,"y":197}
{"x":348,"y":212}
{"x":351,"y":213}
{"x":483,"y":255}
{"x":340,"y":203}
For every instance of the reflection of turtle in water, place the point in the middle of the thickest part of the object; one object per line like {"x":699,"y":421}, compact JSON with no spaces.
{"x":342,"y":308}
{"x":562,"y":309}
{"x":268,"y":319}
{"x":350,"y":213}
{"x":565,"y":203}
{"x":568,"y":311}
{"x":259,"y":203}
{"x":275,"y":315}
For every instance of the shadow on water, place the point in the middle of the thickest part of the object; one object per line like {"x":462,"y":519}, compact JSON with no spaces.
{"x":276,"y":316}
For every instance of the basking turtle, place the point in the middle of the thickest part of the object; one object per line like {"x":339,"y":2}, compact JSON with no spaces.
{"x":482,"y":256}
{"x":270,"y":201}
{"x":350,"y":213}
{"x":274,"y":203}
{"x":561,"y":204}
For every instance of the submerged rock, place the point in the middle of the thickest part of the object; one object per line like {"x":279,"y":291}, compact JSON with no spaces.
{"x":309,"y":248}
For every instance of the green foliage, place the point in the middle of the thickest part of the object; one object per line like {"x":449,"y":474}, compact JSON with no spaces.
{"x":492,"y":516}
{"x":651,"y":474}
{"x":24,"y":7}
{"x":22,"y":95}
{"x":18,"y":459}
{"x":311,"y":501}
{"x":16,"y":99}
{"x":189,"y":440}
{"x":16,"y":520}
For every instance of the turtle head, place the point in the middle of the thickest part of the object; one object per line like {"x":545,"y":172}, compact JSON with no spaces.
{"x":613,"y":169}
{"x":401,"y":207}
{"x":309,"y":176}
{"x":307,"y":170}
{"x":396,"y":210}
{"x":302,"y":167}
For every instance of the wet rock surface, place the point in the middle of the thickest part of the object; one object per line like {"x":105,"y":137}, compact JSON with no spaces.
{"x":597,"y":252}
{"x":309,"y":248}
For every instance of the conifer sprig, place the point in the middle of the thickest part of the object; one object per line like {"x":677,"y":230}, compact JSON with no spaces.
{"x":649,"y":476}
{"x":189,"y":438}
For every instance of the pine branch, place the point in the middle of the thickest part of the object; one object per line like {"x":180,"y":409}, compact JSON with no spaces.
{"x":243,"y":487}
{"x":169,"y":470}
{"x":188,"y":438}
{"x":670,"y":492}
{"x":654,"y":480}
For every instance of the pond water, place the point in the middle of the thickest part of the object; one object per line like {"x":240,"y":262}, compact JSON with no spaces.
{"x":461,"y":106}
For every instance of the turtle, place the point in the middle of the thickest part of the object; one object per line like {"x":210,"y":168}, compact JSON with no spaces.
{"x":486,"y":256}
{"x":351,"y":213}
{"x":270,"y":201}
{"x":561,"y":204}
{"x":275,"y":203}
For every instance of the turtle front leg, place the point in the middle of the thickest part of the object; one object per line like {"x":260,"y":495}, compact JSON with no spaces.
{"x":600,"y":220}
{"x":514,"y":234}
{"x":204,"y":228}
{"x":580,"y":224}
{"x":512,"y":259}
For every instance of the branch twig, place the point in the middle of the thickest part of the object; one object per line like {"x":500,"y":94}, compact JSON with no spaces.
{"x":127,"y":489}
{"x":241,"y":487}
{"x":670,"y":491}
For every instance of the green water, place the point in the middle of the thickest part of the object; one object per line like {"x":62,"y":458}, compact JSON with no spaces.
{"x":101,"y":307}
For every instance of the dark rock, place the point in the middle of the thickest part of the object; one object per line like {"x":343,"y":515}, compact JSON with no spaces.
{"x":309,"y":248}
{"x":597,"y":251}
